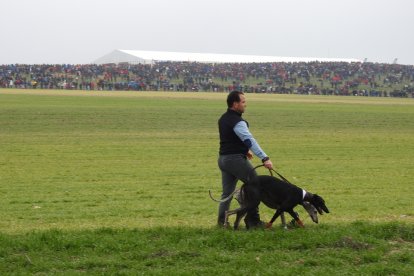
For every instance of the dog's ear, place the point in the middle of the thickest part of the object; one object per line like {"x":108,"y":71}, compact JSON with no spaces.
{"x":320,"y":204}
{"x":325,"y":209}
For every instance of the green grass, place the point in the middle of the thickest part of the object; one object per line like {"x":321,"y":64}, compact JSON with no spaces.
{"x":354,"y":249}
{"x":105,"y":182}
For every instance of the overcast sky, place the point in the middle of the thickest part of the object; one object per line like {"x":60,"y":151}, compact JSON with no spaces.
{"x":80,"y":31}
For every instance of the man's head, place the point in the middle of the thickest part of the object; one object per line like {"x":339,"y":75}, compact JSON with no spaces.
{"x":236,"y":101}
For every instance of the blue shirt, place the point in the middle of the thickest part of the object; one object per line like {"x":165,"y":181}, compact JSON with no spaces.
{"x":242,"y":131}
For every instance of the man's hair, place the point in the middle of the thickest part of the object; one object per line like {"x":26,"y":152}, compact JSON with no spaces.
{"x":234,"y":96}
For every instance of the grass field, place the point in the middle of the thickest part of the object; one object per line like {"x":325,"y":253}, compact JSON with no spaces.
{"x":117,"y":182}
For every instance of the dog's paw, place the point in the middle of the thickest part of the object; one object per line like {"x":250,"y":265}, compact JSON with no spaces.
{"x":268,"y":225}
{"x":294,"y":224}
{"x":300,"y":223}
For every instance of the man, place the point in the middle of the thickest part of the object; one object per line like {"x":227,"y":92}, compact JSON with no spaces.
{"x":236,"y":147}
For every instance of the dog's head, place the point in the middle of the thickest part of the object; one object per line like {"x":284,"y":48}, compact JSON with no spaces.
{"x":319,"y":204}
{"x":313,"y":213}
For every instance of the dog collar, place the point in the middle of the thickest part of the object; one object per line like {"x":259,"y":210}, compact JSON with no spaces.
{"x":303,"y":193}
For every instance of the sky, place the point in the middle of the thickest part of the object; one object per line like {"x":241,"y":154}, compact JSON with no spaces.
{"x":81,"y":31}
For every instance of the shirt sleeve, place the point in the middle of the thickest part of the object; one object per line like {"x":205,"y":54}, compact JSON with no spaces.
{"x":242,"y":131}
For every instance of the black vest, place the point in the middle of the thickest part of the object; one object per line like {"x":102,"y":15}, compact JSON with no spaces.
{"x":230,"y":143}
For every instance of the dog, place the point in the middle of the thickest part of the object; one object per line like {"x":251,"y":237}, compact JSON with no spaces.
{"x":276,"y":194}
{"x":237,"y":194}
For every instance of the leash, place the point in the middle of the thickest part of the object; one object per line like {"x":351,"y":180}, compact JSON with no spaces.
{"x":271,"y":173}
{"x":281,"y":176}
{"x":248,"y":175}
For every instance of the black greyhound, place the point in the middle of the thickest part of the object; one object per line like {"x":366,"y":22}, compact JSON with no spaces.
{"x":276,"y":194}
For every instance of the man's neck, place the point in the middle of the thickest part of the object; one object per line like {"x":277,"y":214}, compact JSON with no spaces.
{"x":233,"y":109}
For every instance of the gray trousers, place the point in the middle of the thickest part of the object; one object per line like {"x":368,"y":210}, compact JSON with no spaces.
{"x":234,"y":167}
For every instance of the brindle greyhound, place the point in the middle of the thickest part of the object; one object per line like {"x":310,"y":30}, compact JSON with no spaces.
{"x":276,"y":194}
{"x":238,"y":196}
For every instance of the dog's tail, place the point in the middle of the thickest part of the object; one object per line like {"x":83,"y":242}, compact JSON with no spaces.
{"x":224,"y":199}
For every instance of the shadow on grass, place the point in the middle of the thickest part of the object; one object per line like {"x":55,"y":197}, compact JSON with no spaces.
{"x":371,"y":248}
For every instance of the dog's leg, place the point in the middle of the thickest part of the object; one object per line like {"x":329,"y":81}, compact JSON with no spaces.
{"x":296,"y":217}
{"x":226,"y":216}
{"x":240,"y":214}
{"x":229,"y":213}
{"x":275,"y":216}
{"x":283,"y":219}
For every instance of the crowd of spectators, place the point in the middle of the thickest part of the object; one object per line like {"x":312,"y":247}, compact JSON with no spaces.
{"x":320,"y":78}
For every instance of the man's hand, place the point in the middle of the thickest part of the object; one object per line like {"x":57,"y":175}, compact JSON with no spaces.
{"x":268,"y":164}
{"x":249,"y":155}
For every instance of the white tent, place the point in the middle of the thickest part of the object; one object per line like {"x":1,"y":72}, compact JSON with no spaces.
{"x":149,"y":57}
